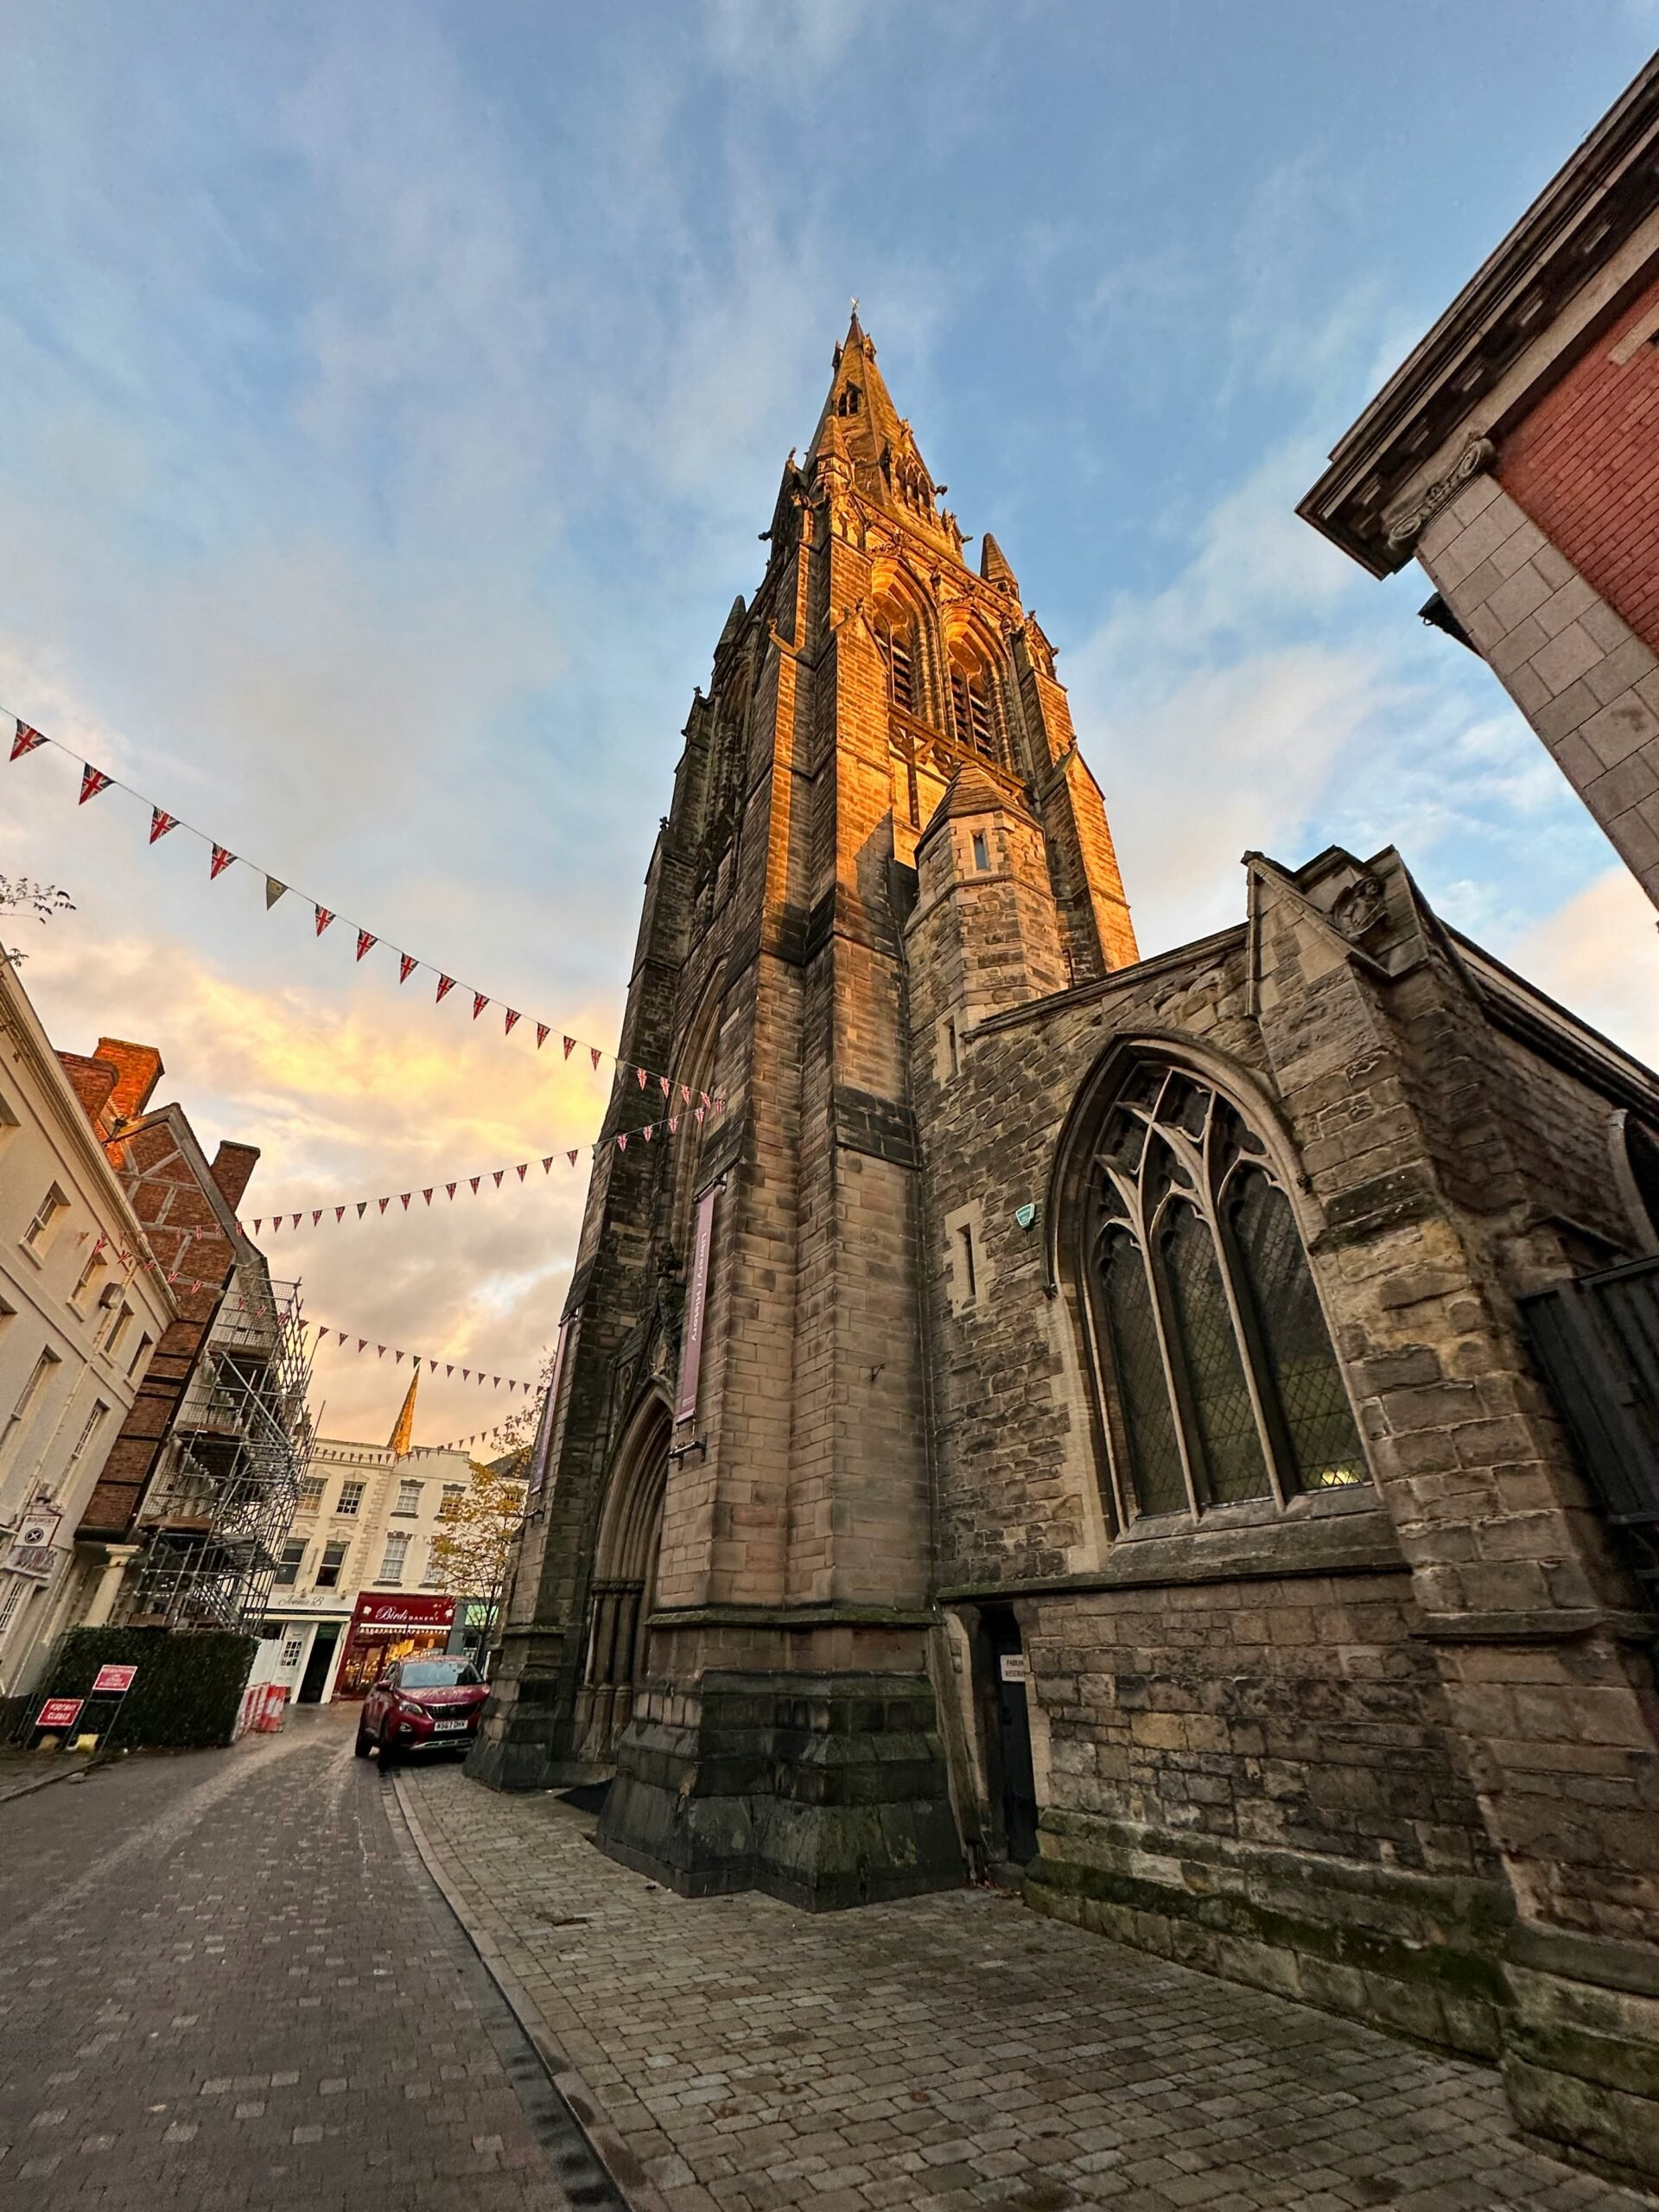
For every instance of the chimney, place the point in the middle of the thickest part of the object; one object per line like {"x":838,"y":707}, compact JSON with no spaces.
{"x":139,"y":1070}
{"x":92,"y":1081}
{"x":233,"y":1165}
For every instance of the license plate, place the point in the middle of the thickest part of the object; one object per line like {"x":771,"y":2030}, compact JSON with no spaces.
{"x":440,"y":1727}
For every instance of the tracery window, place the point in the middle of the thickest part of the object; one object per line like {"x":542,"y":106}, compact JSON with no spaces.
{"x":1218,"y":1378}
{"x":970,"y":705}
{"x":896,"y":635}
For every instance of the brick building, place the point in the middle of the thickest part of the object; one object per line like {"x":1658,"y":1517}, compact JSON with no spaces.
{"x":1077,"y":1414}
{"x":1515,"y":453}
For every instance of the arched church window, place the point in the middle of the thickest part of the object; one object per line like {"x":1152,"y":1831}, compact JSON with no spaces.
{"x":896,"y":635}
{"x":970,"y":705}
{"x":850,"y":401}
{"x":1218,"y":1380}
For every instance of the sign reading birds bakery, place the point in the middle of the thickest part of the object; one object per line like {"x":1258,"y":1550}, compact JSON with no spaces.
{"x":386,"y":1626}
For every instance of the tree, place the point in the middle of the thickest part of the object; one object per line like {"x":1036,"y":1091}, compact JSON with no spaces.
{"x":473,"y":1551}
{"x":20,"y":894}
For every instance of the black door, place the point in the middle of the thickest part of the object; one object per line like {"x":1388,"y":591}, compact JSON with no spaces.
{"x":1002,"y":1659}
{"x":316,"y":1667}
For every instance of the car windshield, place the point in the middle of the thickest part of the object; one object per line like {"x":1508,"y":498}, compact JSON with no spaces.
{"x":439,"y":1675}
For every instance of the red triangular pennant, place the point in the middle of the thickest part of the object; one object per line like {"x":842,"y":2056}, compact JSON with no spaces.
{"x":221,"y":861}
{"x":593,"y":1053}
{"x":398,"y":1361}
{"x":380,"y":1351}
{"x":362,"y":1208}
{"x":407,"y":963}
{"x":427,"y":1194}
{"x":522,"y":1170}
{"x":403,"y":1198}
{"x":543,"y":1033}
{"x":92,"y":780}
{"x":665,"y":1083}
{"x":499,"y":1173}
{"x":297,"y":1221}
{"x":571,"y":1157}
{"x":673,"y":1123}
{"x":685,"y":1095}
{"x":382,"y":1203}
{"x":341,"y":1334}
{"x":641,"y":1074}
{"x":448,"y":1372}
{"x":258,"y":1219}
{"x":475,"y":1180}
{"x":325,"y":915}
{"x":479,"y":1004}
{"x":161,"y":822}
{"x":316,"y":1217}
{"x":699,"y":1117}
{"x":648,"y":1129}
{"x":450,"y":1188}
{"x":621,"y":1144}
{"x":569,"y":1045}
{"x":547,"y":1165}
{"x":275,"y":1223}
{"x":446,"y":984}
{"x":25,"y":742}
{"x":363,"y":941}
{"x":511,"y":1018}
{"x":340,"y":1213}
{"x":362,"y":1344}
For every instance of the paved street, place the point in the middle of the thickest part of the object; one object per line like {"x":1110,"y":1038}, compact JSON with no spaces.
{"x":952,"y":2051}
{"x":236,"y":1987}
{"x":226,"y":1982}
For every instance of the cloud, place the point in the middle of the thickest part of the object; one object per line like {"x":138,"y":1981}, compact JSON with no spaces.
{"x":1599,"y":954}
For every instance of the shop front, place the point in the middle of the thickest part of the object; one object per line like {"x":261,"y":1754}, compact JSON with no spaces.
{"x":388,"y":1627}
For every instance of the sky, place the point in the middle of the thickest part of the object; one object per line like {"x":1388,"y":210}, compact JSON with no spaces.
{"x":393,"y":397}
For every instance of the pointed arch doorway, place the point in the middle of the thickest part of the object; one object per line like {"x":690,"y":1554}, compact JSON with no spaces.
{"x":625,"y":1583}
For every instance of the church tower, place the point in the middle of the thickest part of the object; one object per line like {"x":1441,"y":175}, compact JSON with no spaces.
{"x":724,"y":1600}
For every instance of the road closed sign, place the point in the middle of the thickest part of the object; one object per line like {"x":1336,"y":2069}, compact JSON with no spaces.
{"x":59,"y":1713}
{"x":112,"y":1681}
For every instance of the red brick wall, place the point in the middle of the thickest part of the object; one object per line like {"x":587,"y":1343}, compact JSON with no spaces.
{"x":1584,"y":466}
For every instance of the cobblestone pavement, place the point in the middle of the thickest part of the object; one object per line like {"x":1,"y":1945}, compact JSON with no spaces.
{"x":954,"y":2051}
{"x":228,"y":1985}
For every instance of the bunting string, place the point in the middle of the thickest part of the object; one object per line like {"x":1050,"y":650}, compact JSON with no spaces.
{"x":698,"y":1105}
{"x":95,"y":781}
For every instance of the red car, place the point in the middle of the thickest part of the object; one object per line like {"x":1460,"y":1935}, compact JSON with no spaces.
{"x":421,"y":1705}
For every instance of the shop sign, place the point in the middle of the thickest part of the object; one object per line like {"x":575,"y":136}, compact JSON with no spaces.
{"x":402,"y":1616}
{"x":59,"y":1713}
{"x":38,"y":1560}
{"x":112,"y":1681}
{"x":38,"y":1529}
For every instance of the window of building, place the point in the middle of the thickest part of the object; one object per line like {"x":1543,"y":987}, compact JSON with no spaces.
{"x":119,"y":1325}
{"x":311,"y":1490}
{"x":1218,"y":1378}
{"x":408,"y":1499}
{"x":391,"y":1563}
{"x":982,"y":853}
{"x":292,"y":1648}
{"x":970,"y":708}
{"x":293,"y":1558}
{"x":350,"y":1497}
{"x":434,"y":1576}
{"x":14,"y":1588}
{"x":37,"y":1237}
{"x":333,"y":1559}
{"x":142,"y":1350}
{"x":86,"y":1282}
{"x":896,"y":635}
{"x":969,"y":1278}
{"x":39,"y":1376}
{"x":449,"y":1501}
{"x":94,"y":1421}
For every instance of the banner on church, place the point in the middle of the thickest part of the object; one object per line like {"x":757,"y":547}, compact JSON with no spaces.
{"x":691,"y":1358}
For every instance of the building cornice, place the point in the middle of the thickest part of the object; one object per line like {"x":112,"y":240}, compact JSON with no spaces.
{"x":1569,"y":267}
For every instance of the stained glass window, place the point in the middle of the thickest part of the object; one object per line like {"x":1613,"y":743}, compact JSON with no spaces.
{"x":1301,"y":1365}
{"x":1223,"y":1383}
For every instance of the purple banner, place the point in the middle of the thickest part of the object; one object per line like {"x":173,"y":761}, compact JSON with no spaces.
{"x":691,"y":1358}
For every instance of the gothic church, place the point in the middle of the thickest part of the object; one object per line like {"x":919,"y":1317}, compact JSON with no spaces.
{"x":1070,"y":1417}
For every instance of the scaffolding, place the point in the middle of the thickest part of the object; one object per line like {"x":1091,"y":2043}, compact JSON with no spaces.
{"x":221,"y":1502}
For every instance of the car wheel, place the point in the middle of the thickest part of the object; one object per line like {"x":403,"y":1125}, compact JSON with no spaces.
{"x":388,"y":1752}
{"x":363,"y":1744}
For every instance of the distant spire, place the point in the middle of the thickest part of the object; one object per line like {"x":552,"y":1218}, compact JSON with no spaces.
{"x":994,"y":566}
{"x":403,"y":1435}
{"x":859,"y":404}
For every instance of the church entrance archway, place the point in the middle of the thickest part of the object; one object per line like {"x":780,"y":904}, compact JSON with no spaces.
{"x":625,"y":1584}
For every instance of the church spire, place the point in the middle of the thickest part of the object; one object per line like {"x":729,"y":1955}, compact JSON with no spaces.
{"x":874,"y":437}
{"x":402,"y":1434}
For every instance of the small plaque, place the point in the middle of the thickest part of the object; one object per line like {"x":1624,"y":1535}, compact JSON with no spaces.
{"x":1014,"y":1668}
{"x":112,"y":1681}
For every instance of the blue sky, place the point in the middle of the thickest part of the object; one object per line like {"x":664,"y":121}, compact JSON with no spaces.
{"x":393,"y":395}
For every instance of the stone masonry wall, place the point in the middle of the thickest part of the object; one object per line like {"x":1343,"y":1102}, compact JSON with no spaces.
{"x":1583,"y":679}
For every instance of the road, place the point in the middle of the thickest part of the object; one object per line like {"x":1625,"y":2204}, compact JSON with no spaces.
{"x":228,"y":1985}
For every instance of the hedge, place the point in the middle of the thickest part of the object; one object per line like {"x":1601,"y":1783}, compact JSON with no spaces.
{"x":185,"y":1694}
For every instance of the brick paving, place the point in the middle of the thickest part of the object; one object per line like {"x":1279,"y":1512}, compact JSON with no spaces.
{"x":950,"y":2053}
{"x":228,"y":1985}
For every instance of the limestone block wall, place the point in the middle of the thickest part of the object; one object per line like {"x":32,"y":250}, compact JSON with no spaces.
{"x":1583,"y":679}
